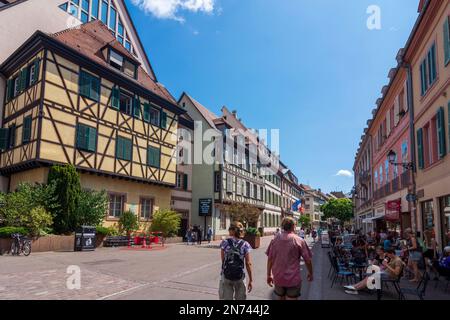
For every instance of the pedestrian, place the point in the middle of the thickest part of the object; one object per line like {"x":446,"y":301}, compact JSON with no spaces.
{"x":199,"y":235}
{"x":430,"y":254}
{"x":314,"y":235}
{"x":209,"y":234}
{"x":277,"y":233}
{"x":415,"y":253}
{"x":301,"y":233}
{"x":283,"y":262}
{"x":194,"y":235}
{"x":189,"y":235}
{"x":235,"y":253}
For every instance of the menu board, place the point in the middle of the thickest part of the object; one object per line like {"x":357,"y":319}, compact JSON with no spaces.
{"x":205,"y":207}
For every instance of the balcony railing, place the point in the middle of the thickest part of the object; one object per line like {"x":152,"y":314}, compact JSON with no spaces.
{"x":395,"y":184}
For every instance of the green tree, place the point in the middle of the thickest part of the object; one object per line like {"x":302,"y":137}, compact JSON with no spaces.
{"x":341,"y":209}
{"x":166,"y":221}
{"x":304,"y":220}
{"x":91,"y":208}
{"x":67,"y":190}
{"x":245,"y":213}
{"x":27,"y":207}
{"x":128,"y":222}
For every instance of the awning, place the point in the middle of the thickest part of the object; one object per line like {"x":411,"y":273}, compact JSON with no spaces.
{"x":371,"y":219}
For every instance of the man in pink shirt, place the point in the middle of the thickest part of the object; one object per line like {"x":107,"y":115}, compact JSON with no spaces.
{"x":284,"y":254}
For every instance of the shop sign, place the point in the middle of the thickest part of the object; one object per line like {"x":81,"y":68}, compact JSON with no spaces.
{"x":393,"y":209}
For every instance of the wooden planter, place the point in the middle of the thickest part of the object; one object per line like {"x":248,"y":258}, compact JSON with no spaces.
{"x":254,"y":241}
{"x":5,"y":245}
{"x":43,"y":244}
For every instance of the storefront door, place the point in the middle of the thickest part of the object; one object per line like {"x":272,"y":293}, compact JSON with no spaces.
{"x":444,"y":205}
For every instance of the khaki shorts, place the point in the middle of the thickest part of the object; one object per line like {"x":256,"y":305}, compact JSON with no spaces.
{"x":292,"y":292}
{"x":232,"y":290}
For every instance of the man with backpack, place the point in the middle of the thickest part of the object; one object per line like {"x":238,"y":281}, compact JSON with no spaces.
{"x":235,"y":253}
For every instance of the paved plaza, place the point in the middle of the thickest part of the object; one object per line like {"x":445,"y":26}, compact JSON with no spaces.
{"x":177,"y":272}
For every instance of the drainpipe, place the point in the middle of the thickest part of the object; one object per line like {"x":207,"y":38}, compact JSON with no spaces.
{"x":412,"y":138}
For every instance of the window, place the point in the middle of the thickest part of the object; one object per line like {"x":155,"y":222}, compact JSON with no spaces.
{"x":153,"y":157}
{"x":185,"y":182}
{"x":238,"y":186}
{"x":223,"y":220}
{"x":217,"y":183}
{"x":154,"y":116}
{"x":428,"y":70}
{"x":89,"y":86}
{"x":255,"y":191}
{"x":12,"y":136}
{"x":94,"y":10}
{"x":86,"y":138}
{"x":26,"y":130}
{"x":179,"y":180}
{"x":116,"y":60}
{"x":146,"y":205}
{"x":427,"y":214}
{"x":105,"y":12}
{"x":229,"y":183}
{"x":261,"y":193}
{"x":116,"y":205}
{"x":440,"y":128}
{"x":123,"y":148}
{"x":247,"y":189}
{"x":125,"y":103}
{"x":16,"y":82}
{"x":112,"y":18}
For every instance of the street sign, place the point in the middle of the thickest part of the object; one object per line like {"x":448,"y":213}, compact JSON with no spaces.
{"x":205,"y":207}
{"x":411,"y":197}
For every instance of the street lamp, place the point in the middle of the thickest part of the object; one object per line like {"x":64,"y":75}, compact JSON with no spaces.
{"x":392,"y":156}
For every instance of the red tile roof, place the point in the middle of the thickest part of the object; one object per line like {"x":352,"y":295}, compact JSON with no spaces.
{"x":92,"y":37}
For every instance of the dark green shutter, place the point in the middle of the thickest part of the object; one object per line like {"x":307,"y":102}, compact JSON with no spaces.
{"x":137,"y":107}
{"x":146,"y":112}
{"x":26,"y":132}
{"x":9,"y":90}
{"x":153,"y":157}
{"x":123,"y":148}
{"x":95,"y":89}
{"x":423,"y":76}
{"x":185,"y":181}
{"x":163,"y":120}
{"x":81,"y":136}
{"x":92,"y":139}
{"x":115,"y":98}
{"x":449,"y":126}
{"x":127,"y":149}
{"x":36,"y":70}
{"x":441,"y":132}
{"x":420,"y":148}
{"x":4,"y":133}
{"x":447,"y":41}
{"x":84,"y":84}
{"x":23,"y":79}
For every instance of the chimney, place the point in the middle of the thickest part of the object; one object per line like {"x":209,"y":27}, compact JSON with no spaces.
{"x":234,"y":112}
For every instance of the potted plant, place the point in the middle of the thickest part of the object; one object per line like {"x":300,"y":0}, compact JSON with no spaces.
{"x":253,"y":237}
{"x":128,"y":223}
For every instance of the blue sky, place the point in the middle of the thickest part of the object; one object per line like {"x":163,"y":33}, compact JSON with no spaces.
{"x":310,"y":68}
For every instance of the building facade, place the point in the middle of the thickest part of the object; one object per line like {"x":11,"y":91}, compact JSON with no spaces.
{"x":79,"y":97}
{"x":411,"y":124}
{"x":428,"y":56}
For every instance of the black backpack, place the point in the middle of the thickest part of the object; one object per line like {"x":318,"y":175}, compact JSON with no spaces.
{"x":233,"y":263}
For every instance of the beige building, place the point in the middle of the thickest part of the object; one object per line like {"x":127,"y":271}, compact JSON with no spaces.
{"x":50,"y":16}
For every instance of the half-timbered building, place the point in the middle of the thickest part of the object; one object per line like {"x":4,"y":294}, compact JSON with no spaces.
{"x":80,"y":97}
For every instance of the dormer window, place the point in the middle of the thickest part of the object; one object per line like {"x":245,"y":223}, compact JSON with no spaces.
{"x":120,"y":63}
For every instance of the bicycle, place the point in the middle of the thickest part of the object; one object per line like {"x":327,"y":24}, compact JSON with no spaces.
{"x":20,"y":245}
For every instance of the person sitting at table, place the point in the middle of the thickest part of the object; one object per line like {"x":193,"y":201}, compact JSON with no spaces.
{"x":381,"y":255}
{"x":359,"y":253}
{"x":393,"y":267}
{"x":443,"y":264}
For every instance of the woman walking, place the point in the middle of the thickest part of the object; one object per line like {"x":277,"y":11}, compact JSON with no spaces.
{"x":415,"y":254}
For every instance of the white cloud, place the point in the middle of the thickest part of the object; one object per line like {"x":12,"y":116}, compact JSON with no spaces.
{"x":169,"y":9}
{"x":344,"y":173}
